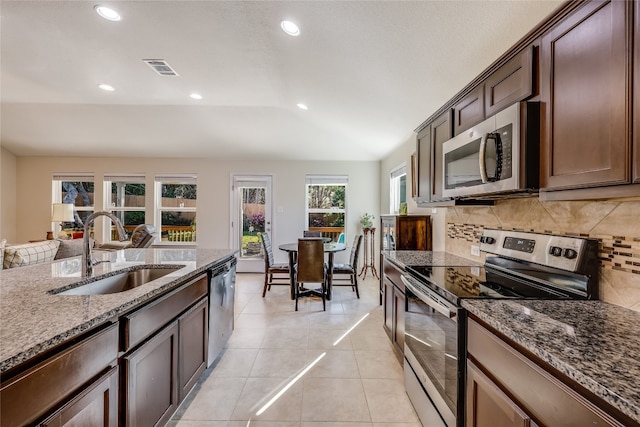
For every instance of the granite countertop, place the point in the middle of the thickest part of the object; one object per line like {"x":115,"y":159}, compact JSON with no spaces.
{"x":32,"y":320}
{"x":594,"y":343}
{"x":429,"y":258}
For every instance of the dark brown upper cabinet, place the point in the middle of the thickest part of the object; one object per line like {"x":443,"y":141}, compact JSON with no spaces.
{"x":469,"y":111}
{"x":510,"y":83}
{"x":429,"y":149}
{"x":636,"y":96}
{"x":585,"y":87}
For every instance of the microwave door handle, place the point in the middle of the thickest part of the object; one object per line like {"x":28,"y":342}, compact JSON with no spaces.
{"x":495,"y":137}
{"x":429,"y":301}
{"x":482,"y":159}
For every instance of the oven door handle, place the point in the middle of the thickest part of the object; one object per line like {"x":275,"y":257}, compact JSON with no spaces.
{"x":429,"y":300}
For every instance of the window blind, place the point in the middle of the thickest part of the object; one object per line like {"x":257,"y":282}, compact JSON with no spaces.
{"x":399,"y":171}
{"x":327,"y":179}
{"x":112,"y":177}
{"x":73,"y":177}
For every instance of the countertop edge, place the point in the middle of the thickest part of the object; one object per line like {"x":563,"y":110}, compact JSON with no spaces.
{"x":21,"y":357}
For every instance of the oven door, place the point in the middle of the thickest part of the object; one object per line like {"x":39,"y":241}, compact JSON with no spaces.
{"x":433,"y":350}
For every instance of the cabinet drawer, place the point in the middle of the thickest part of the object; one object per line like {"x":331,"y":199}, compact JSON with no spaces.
{"x":143,"y":323}
{"x":32,"y":394}
{"x":541,"y":395}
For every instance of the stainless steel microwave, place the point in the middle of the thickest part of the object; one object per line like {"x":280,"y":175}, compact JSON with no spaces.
{"x":499,"y":156}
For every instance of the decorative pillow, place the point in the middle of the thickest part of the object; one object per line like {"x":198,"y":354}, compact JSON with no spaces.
{"x":69,"y":248}
{"x":3,"y":242}
{"x":30,"y":253}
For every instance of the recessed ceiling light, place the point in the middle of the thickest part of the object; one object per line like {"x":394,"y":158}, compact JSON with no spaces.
{"x":290,"y":28}
{"x":107,"y":13}
{"x":195,"y":96}
{"x":106,"y":87}
{"x":302,"y":106}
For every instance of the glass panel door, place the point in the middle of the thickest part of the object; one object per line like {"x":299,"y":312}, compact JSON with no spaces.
{"x":252,"y":217}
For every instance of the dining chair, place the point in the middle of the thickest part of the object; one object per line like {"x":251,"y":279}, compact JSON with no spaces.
{"x":307,"y":233}
{"x":271,"y":268}
{"x":350,"y":269}
{"x":310,"y":268}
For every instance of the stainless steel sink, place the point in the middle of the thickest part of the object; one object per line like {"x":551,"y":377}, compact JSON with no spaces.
{"x":120,"y":282}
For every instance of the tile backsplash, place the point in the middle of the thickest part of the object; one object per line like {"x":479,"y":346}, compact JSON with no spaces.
{"x":615,"y":224}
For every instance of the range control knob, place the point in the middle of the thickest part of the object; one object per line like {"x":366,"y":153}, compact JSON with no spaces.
{"x":555,"y":251}
{"x":487,"y":239}
{"x":570,"y":253}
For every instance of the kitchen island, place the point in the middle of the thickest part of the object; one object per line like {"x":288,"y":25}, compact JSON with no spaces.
{"x":43,"y":333}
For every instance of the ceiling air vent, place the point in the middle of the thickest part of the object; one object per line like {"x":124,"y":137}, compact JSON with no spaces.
{"x":161,"y":67}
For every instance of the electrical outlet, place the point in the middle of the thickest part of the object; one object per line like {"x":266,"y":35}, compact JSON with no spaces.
{"x":434,"y":210}
{"x":475,"y":250}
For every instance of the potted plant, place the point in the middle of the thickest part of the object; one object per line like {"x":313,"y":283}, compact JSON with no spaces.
{"x":367,"y":220}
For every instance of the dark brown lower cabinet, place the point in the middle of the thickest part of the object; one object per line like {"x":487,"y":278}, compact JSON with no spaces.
{"x":61,"y":382}
{"x":193,"y":346}
{"x":394,"y":302}
{"x":96,"y":406}
{"x":151,"y":375}
{"x":506,"y":387}
{"x":487,"y":405}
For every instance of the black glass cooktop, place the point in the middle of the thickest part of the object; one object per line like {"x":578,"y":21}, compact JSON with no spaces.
{"x":501,"y":278}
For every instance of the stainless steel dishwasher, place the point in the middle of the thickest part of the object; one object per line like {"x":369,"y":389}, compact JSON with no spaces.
{"x":222,"y":288}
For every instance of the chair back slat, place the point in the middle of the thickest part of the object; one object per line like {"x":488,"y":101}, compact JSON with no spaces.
{"x":355,"y":251}
{"x":310,"y":260}
{"x":268,"y":251}
{"x":307,"y":233}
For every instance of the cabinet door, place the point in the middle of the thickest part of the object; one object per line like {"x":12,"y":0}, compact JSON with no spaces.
{"x":469,"y":111}
{"x":387,"y":307}
{"x":441,"y":131}
{"x":584,"y":87}
{"x":399,"y":302}
{"x":636,"y":94}
{"x":510,"y":83}
{"x":150,"y":372}
{"x":425,"y":164}
{"x":96,"y":406}
{"x":414,"y":233}
{"x":193,"y":346}
{"x":487,"y":405}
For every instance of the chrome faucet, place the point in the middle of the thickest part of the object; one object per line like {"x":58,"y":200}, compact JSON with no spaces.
{"x":87,"y":257}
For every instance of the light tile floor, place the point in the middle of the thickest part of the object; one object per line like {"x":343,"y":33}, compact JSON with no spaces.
{"x":357,"y":382}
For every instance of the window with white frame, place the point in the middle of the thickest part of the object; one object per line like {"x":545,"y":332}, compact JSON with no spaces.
{"x":76,"y":189}
{"x":125,"y":198}
{"x":326,"y":204}
{"x":176,"y":200}
{"x":397,"y":188}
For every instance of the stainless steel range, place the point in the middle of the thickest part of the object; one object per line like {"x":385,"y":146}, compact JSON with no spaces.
{"x":518,"y":265}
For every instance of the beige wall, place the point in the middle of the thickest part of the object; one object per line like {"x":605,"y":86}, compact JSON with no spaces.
{"x":403,"y":154}
{"x":7,"y":196}
{"x":34,"y":176}
{"x":615,"y":224}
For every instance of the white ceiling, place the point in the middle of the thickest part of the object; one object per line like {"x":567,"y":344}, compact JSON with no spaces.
{"x":370,"y":72}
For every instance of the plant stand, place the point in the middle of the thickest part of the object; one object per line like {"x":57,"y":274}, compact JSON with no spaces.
{"x":369,"y":244}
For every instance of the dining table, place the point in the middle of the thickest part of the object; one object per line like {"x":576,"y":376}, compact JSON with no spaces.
{"x":330,"y":248}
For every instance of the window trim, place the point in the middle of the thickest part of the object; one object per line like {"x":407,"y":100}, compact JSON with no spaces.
{"x":190,"y":178}
{"x":327,"y":180}
{"x":395,"y":176}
